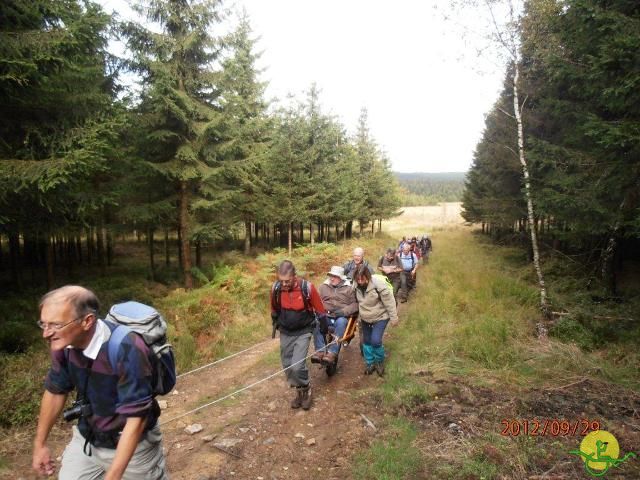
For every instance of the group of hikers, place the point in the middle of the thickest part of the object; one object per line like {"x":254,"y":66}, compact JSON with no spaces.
{"x":301,"y":312}
{"x":119,"y":365}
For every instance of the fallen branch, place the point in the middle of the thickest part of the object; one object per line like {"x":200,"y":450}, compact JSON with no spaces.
{"x":605,"y":317}
{"x":567,"y":385}
{"x":368,"y":422}
{"x":228,"y":452}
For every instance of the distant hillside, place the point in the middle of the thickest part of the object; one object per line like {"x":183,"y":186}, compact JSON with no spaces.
{"x":430,"y":188}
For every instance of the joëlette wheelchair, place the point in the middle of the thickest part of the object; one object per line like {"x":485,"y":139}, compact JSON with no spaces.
{"x":329,"y":337}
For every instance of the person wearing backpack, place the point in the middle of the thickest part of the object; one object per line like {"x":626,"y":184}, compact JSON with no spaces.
{"x":117,"y":435}
{"x":358,"y":259}
{"x":409,"y":262}
{"x":295,"y":303}
{"x":377,"y":308}
{"x":391,"y":267}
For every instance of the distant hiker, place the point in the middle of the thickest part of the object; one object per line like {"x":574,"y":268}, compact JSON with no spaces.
{"x":358,"y":259}
{"x":294,"y":305}
{"x":400,"y":245}
{"x":415,"y":248}
{"x":117,"y":435}
{"x":377,"y":308}
{"x":339,"y":300}
{"x":391,"y":266}
{"x":426,"y":246}
{"x":409,"y":262}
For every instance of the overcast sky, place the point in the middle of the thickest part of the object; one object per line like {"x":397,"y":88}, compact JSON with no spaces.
{"x":417,"y":74}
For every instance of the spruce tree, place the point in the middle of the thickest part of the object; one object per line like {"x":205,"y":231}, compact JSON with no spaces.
{"x":180,"y":108}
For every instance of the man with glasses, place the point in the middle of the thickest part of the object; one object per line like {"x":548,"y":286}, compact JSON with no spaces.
{"x":117,"y":435}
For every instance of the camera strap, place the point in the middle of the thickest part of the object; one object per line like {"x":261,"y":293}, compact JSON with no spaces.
{"x":85,"y":397}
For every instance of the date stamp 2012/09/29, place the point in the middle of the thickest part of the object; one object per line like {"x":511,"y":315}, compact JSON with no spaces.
{"x":553,"y":427}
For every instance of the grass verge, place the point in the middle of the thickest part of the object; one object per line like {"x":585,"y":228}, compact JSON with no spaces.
{"x":465,"y":357}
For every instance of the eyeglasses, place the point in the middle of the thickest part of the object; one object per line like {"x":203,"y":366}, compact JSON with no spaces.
{"x":58,"y":326}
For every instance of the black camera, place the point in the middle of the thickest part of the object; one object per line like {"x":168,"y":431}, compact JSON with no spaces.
{"x":80,"y":408}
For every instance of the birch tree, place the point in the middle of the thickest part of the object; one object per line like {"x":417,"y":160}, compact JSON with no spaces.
{"x":503,"y":29}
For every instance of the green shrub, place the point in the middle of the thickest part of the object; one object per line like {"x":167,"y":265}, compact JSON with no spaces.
{"x":17,"y":336}
{"x":568,"y":329}
{"x":22,"y":379}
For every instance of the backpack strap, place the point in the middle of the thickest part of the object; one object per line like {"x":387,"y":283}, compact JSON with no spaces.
{"x":117,"y":336}
{"x":276,"y":291}
{"x":306,"y":295}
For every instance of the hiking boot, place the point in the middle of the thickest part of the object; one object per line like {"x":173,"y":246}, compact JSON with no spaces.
{"x":329,"y":358}
{"x":379,"y":368}
{"x":317,"y":357}
{"x":369,"y":369}
{"x":306,"y":397}
{"x":297,"y":401}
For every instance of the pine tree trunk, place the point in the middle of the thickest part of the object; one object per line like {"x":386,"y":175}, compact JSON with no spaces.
{"x":344,"y":233}
{"x":68,"y":255}
{"x":100,"y":245}
{"x":608,"y":272}
{"x":79,"y":249}
{"x":544,"y":306}
{"x":290,"y":234}
{"x":247,"y":238}
{"x":337,"y":232}
{"x":14,"y":260}
{"x":109,"y":247}
{"x":199,"y":254}
{"x":90,"y":250}
{"x":167,"y":254}
{"x":311,"y":234}
{"x":180,"y":260}
{"x":184,"y":231}
{"x":152,"y":251}
{"x":49,"y":254}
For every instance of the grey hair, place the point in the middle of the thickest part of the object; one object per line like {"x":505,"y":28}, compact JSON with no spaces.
{"x":83,"y":300}
{"x":286,"y":267}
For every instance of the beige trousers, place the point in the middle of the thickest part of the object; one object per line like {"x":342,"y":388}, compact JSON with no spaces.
{"x":147,"y":462}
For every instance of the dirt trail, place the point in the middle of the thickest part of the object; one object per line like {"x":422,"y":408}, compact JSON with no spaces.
{"x":273,"y":441}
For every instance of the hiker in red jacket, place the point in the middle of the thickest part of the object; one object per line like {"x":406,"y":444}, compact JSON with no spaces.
{"x":295,"y":303}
